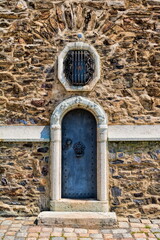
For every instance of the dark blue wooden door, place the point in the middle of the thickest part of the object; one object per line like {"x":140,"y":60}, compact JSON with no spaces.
{"x":79,"y":157}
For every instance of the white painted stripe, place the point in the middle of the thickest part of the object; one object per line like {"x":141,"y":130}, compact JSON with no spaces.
{"x":115,"y":133}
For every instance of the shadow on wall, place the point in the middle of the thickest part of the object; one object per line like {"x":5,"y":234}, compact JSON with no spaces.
{"x":45,"y":133}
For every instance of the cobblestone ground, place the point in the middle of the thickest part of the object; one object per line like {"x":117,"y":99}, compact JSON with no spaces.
{"x":128,"y":229}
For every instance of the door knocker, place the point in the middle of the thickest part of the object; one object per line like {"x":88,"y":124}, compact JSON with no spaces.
{"x":79,"y":149}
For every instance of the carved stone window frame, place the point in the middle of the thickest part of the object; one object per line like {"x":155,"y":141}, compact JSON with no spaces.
{"x":55,"y":149}
{"x":61,"y":75}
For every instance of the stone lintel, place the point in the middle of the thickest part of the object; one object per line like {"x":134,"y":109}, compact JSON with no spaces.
{"x":90,"y":220}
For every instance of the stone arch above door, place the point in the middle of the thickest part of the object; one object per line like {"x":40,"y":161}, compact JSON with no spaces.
{"x":78,"y":102}
{"x":55,"y":151}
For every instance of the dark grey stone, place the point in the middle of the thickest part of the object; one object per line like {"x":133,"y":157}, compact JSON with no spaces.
{"x":118,"y":161}
{"x":116,"y":191}
{"x":41,"y":188}
{"x":43,"y":149}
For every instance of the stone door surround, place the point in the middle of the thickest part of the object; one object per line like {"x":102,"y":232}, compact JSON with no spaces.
{"x":57,"y":203}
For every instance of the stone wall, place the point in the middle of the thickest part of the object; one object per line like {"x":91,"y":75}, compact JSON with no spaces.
{"x":134,"y":178}
{"x":24,"y":178}
{"x":124,"y":32}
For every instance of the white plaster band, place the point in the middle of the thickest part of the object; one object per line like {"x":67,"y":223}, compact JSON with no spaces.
{"x":134,"y":133}
{"x":24,"y":133}
{"x":115,"y":133}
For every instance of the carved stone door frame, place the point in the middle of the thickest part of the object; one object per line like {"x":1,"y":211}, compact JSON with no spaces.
{"x":56,"y":141}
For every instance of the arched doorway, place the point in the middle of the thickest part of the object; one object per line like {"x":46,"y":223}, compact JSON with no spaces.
{"x":79,"y":155}
{"x":99,"y":200}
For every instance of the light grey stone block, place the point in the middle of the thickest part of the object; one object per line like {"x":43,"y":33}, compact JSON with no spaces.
{"x":91,"y":220}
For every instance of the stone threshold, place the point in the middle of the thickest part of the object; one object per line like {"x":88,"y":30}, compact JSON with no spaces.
{"x":90,"y":220}
{"x":72,"y":205}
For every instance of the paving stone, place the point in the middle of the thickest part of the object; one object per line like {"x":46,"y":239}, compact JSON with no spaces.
{"x":119,"y":231}
{"x":106,"y":236}
{"x":31,"y":238}
{"x":33,"y":234}
{"x":20,"y":238}
{"x":150,"y":235}
{"x":85,"y":238}
{"x":153,"y":225}
{"x":123,"y":224}
{"x":9,"y":238}
{"x":44,"y":238}
{"x":56,"y":234}
{"x":4,"y":227}
{"x":96,"y":235}
{"x":146,"y":230}
{"x":157,"y":235}
{"x":22,"y":234}
{"x":28,"y":223}
{"x":68,"y":230}
{"x":83,"y":235}
{"x":56,"y":229}
{"x":24,"y":228}
{"x":81,"y":230}
{"x":7,"y":222}
{"x":70,"y":234}
{"x":117,"y":235}
{"x":97,"y":238}
{"x":127,"y":238}
{"x":155,"y":221}
{"x":145,"y":221}
{"x":93,"y":231}
{"x":46,"y":229}
{"x":135,"y":229}
{"x":72,"y":238}
{"x":138,"y":225}
{"x":156,"y":230}
{"x":134,"y":220}
{"x":57,"y":238}
{"x":14,"y":229}
{"x":35,"y":229}
{"x":10,"y":233}
{"x":44,"y":234}
{"x":141,"y":238}
{"x":139,"y":235}
{"x":126,"y":235}
{"x":106,"y":231}
{"x":17,"y":225}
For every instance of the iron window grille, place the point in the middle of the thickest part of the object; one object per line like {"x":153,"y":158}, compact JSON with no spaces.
{"x":79,"y":67}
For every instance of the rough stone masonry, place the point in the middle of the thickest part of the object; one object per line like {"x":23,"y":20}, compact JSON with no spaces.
{"x":126,"y":34}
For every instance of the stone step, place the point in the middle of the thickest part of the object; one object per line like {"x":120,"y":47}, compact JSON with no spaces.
{"x":92,"y":220}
